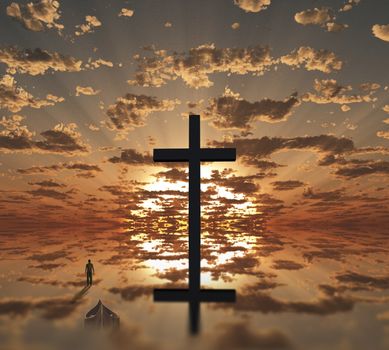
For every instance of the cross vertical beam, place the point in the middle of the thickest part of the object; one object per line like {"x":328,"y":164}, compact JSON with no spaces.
{"x":194,"y":206}
{"x":194,"y":155}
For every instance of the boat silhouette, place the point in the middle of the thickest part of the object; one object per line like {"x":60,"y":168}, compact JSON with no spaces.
{"x":100,"y":317}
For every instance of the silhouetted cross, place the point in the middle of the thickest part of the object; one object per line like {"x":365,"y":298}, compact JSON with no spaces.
{"x":194,"y":155}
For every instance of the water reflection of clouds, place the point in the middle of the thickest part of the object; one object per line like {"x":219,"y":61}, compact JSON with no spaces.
{"x":289,"y":271}
{"x":270,"y":271}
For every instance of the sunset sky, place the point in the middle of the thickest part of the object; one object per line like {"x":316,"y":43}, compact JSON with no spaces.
{"x":298,"y":224}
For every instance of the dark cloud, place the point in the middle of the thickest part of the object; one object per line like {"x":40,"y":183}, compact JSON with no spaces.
{"x":329,"y":91}
{"x":58,"y":308}
{"x":287,"y":185}
{"x":14,"y":136}
{"x":14,"y":307}
{"x":173,"y":275}
{"x":38,"y":61}
{"x":47,"y":183}
{"x":59,"y":254}
{"x":41,"y":170}
{"x":51,"y":308}
{"x":14,"y":98}
{"x":55,"y":283}
{"x":258,"y":162}
{"x":173,"y":175}
{"x":47,"y":267}
{"x":369,"y":168}
{"x":131,"y":111}
{"x":79,"y":166}
{"x":132,"y":157}
{"x":334,"y":251}
{"x":63,"y":139}
{"x":237,"y":184}
{"x":245,"y":265}
{"x":116,"y":190}
{"x":82,"y":169}
{"x":286,"y":265}
{"x":49,"y":193}
{"x":357,"y":281}
{"x":230,"y":111}
{"x":264,"y":284}
{"x":255,"y":149}
{"x":131,"y":293}
{"x":255,"y":301}
{"x":328,"y":196}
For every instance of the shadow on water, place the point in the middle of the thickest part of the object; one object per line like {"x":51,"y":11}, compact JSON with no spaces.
{"x":81,"y":293}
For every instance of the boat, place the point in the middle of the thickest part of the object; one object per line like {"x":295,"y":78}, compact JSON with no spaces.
{"x":100,"y":317}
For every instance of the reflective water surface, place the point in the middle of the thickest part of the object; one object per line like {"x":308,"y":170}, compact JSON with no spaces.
{"x":295,"y":289}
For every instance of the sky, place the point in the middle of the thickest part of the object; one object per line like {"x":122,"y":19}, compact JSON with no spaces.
{"x":298,"y":224}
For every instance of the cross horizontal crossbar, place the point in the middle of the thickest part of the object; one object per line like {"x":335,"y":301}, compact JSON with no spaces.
{"x":185,"y":155}
{"x":204,"y":295}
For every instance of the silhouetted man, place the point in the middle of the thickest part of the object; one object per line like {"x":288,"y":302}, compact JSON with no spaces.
{"x":89,"y":270}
